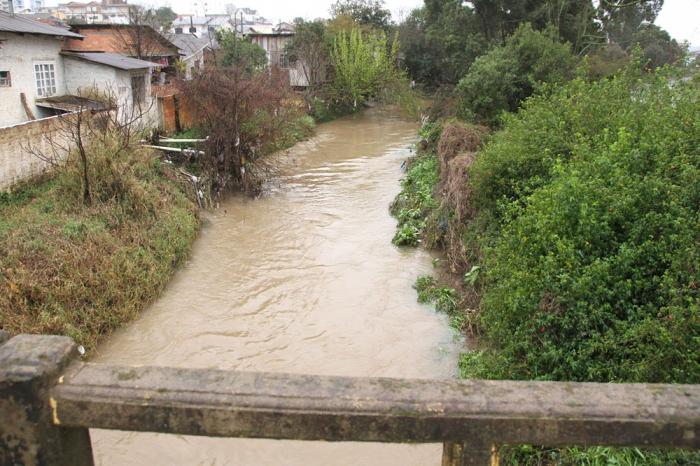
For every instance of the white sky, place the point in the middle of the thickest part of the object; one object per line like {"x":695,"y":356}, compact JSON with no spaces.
{"x":681,"y":18}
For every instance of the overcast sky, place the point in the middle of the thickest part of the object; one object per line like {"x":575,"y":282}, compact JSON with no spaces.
{"x":680,"y":17}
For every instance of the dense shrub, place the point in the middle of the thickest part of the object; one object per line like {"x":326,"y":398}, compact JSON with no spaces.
{"x":591,"y":198}
{"x":500,"y":79}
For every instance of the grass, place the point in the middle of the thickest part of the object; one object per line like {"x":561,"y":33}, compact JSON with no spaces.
{"x":82,"y":271}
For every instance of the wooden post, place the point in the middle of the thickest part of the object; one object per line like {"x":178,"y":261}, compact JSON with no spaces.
{"x":469,"y":454}
{"x":29,"y":432}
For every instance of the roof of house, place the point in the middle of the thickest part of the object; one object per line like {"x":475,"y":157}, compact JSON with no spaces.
{"x":71,"y":103}
{"x":190,"y":44}
{"x":20,"y":25}
{"x":118,"y":43}
{"x":113,"y":60}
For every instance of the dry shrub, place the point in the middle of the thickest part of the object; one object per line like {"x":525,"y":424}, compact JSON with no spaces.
{"x":243,"y":115}
{"x":456,"y":150}
{"x":456,"y":196}
{"x":458,"y":138}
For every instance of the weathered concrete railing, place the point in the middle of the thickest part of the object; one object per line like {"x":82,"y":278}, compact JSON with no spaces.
{"x":48,"y":401}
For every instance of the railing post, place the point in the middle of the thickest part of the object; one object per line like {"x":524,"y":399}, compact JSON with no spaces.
{"x":477,"y":453}
{"x":29,"y":432}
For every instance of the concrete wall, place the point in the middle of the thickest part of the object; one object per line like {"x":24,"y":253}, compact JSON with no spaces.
{"x":16,"y":161}
{"x":18,"y":55}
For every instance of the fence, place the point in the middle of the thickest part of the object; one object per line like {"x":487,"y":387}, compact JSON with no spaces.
{"x":49,"y":400}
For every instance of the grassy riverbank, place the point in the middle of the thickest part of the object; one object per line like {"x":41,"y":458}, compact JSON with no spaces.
{"x":83,"y":270}
{"x":573,"y":232}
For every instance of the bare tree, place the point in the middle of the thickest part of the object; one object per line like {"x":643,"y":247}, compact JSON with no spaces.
{"x":139,"y":38}
{"x":243,"y":115}
{"x":96,"y":116}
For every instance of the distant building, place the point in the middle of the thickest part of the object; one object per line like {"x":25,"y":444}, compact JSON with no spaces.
{"x":201,"y":25}
{"x":22,"y":6}
{"x":102,"y":12}
{"x":274,"y":41}
{"x":194,"y":52}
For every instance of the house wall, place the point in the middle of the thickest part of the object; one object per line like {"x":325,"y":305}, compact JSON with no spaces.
{"x":18,"y":54}
{"x":190,"y":61}
{"x":274,"y":46}
{"x":83,"y":76}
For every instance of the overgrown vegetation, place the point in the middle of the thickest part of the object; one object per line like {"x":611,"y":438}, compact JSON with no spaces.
{"x":246,"y":115}
{"x":82,"y":270}
{"x":590,"y":235}
{"x":352,"y":61}
{"x":501,"y":79}
{"x":579,"y":226}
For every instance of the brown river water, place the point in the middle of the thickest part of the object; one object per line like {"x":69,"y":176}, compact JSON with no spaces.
{"x":302,"y":280}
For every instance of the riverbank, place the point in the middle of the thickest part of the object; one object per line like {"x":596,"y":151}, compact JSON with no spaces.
{"x":573,"y":234}
{"x":83,"y":270}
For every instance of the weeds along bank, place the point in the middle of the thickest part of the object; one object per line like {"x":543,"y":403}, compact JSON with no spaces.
{"x":83,"y":269}
{"x":574,"y":230}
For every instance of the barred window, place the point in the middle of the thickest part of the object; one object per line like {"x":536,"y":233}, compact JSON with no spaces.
{"x":45,"y":79}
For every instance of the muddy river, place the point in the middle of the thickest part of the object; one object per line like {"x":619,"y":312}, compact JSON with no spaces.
{"x":304,"y":280}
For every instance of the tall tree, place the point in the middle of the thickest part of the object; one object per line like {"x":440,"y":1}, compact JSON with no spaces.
{"x":621,"y":19}
{"x":311,"y":46}
{"x":240,"y":52}
{"x":370,"y":13}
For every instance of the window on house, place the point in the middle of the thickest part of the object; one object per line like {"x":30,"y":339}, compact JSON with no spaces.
{"x":138,"y":89}
{"x":45,"y":79}
{"x":5,"y":80}
{"x":178,"y":30}
{"x":284,"y":60}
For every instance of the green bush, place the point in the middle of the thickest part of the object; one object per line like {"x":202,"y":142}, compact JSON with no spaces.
{"x":416,"y":201}
{"x":592,"y":197}
{"x":503,"y":77}
{"x":588,"y":206}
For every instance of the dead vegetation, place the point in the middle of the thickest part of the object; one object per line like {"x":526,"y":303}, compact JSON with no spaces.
{"x":244,"y":115}
{"x":456,"y":151}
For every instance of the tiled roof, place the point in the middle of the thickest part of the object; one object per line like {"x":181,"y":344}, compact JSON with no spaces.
{"x":189,"y":44}
{"x":18,"y":24}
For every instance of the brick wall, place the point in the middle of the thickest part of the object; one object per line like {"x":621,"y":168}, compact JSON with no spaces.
{"x":16,"y":161}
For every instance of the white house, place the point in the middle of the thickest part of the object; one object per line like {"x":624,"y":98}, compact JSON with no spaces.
{"x":125,"y":78}
{"x":201,"y":25}
{"x":35,"y":74}
{"x":30,"y":67}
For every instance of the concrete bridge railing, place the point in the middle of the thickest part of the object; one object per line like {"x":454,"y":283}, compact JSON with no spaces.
{"x":49,"y":400}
